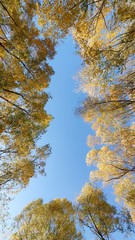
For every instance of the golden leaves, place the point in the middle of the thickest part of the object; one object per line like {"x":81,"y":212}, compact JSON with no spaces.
{"x":105,"y":41}
{"x":25,"y":74}
{"x":95,"y":212}
{"x":52,"y":220}
{"x":125,"y":191}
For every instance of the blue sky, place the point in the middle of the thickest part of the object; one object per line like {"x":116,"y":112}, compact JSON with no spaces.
{"x":67,"y":134}
{"x":66,"y":167}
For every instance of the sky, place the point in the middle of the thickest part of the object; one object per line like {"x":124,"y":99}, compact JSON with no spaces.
{"x":67,"y":134}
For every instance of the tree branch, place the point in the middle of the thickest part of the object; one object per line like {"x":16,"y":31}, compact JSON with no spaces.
{"x":15,"y":105}
{"x":8,"y":13}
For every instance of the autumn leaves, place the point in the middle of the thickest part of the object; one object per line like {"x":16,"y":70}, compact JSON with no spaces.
{"x":108,"y":80}
{"x":25,"y":74}
{"x":104,"y":32}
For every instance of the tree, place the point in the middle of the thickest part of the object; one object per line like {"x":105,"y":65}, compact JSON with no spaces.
{"x":96,"y":214}
{"x":106,"y":43}
{"x":59,"y":219}
{"x":106,"y":38}
{"x":112,"y":146}
{"x":104,"y":32}
{"x":52,"y":221}
{"x":25,"y":74}
{"x":59,"y":16}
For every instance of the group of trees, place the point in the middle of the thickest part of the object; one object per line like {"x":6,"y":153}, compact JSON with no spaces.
{"x":25,"y":74}
{"x":104,"y":32}
{"x":51,"y":221}
{"x":108,"y":79}
{"x":60,"y":219}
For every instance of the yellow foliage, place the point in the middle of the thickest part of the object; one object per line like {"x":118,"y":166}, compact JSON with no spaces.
{"x":55,"y":219}
{"x":95,"y":213}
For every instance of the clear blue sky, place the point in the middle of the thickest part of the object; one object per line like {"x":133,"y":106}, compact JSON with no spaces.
{"x":66,"y":167}
{"x":67,"y":134}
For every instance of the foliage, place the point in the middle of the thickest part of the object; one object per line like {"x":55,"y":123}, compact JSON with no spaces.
{"x":106,"y":43}
{"x":96,"y":214}
{"x":106,"y":38}
{"x":59,"y":16}
{"x":59,"y":219}
{"x":25,"y":74}
{"x":104,"y":32}
{"x":52,"y":221}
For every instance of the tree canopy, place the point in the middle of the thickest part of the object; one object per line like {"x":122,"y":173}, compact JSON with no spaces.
{"x":52,"y":221}
{"x":61,"y":219}
{"x":96,"y":214}
{"x":104,"y":32}
{"x":25,"y":74}
{"x":106,"y":44}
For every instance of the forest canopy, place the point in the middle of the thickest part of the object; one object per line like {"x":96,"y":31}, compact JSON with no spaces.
{"x":104,"y":32}
{"x":25,"y":75}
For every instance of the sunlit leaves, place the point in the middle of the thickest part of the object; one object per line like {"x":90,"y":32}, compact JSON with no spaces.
{"x":25,"y":74}
{"x":95,"y":213}
{"x":106,"y":43}
{"x":54,"y":220}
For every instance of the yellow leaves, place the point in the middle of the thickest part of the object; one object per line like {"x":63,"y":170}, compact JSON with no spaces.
{"x":125,"y":191}
{"x":101,"y":20}
{"x":114,"y":156}
{"x":24,"y":170}
{"x":49,"y":220}
{"x":39,"y":85}
{"x":90,"y":34}
{"x":104,"y":148}
{"x":25,"y":74}
{"x":111,"y":35}
{"x":93,"y":210}
{"x":2,"y":54}
{"x":126,"y":12}
{"x":92,"y":156}
{"x":104,"y":43}
{"x":115,"y":91}
{"x":90,"y":82}
{"x":57,"y":19}
{"x":5,"y":139}
{"x":88,"y":194}
{"x":94,"y":43}
{"x":37,"y":7}
{"x":92,"y":141}
{"x":11,"y":96}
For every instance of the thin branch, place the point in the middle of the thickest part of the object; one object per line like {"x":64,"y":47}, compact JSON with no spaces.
{"x":8,"y":13}
{"x":15,"y":105}
{"x":14,"y":92}
{"x":99,"y":12}
{"x":121,"y":175}
{"x":12,"y":54}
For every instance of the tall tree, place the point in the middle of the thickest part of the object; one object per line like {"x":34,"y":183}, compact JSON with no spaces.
{"x":101,"y":218}
{"x":96,"y":214}
{"x":106,"y":43}
{"x":52,"y":221}
{"x":106,"y":37}
{"x":25,"y":74}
